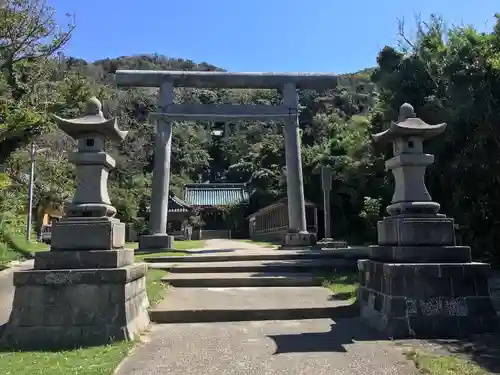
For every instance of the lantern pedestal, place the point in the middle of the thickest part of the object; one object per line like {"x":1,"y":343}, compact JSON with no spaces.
{"x":415,"y":230}
{"x":69,"y":308}
{"x":417,"y":282}
{"x":158,"y":241}
{"x":99,"y":233}
{"x":426,"y":300}
{"x":329,"y":243}
{"x":297,"y":240}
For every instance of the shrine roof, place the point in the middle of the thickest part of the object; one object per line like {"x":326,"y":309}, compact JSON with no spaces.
{"x":216,"y":194}
{"x":176,"y":204}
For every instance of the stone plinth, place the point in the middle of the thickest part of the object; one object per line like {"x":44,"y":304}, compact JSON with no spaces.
{"x":293,"y":240}
{"x":89,"y":259}
{"x":96,"y":233}
{"x":418,"y":254}
{"x":56,"y":309}
{"x":329,"y":243}
{"x":156,"y":242}
{"x":414,"y":230}
{"x":426,"y":300}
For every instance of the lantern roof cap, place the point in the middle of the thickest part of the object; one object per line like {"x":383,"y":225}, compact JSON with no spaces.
{"x":408,"y":125}
{"x":92,"y":122}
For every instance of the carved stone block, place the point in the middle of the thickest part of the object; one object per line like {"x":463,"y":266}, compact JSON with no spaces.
{"x":426,"y":300}
{"x":82,"y":233}
{"x":55,"y":309}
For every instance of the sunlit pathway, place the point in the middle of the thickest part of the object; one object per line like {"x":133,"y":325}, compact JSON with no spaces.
{"x":318,"y":346}
{"x":243,"y":292}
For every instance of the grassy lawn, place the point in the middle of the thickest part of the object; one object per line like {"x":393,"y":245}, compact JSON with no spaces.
{"x":18,"y":249}
{"x":443,"y":365}
{"x":343,"y":285}
{"x":178,"y":245}
{"x":101,"y":360}
{"x":155,"y":288}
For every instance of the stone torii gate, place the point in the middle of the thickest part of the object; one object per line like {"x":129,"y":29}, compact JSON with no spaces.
{"x":287,"y":112}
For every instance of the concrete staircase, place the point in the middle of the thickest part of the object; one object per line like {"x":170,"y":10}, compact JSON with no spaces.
{"x":248,"y":285}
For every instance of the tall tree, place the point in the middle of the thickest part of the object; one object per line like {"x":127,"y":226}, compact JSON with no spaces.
{"x":29,"y":39}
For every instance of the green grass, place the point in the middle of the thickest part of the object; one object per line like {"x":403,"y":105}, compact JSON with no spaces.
{"x":343,"y":285}
{"x":189,"y":245}
{"x":155,"y":288}
{"x":178,"y":245}
{"x":14,"y":247}
{"x":37,"y":246}
{"x":100,"y":360}
{"x":443,"y":365}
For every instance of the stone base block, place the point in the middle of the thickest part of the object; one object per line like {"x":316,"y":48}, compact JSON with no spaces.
{"x":328,"y":243}
{"x":426,"y":300}
{"x":59,"y":309}
{"x":156,"y":242}
{"x":298,"y":240}
{"x":56,"y":260}
{"x":87,"y":233}
{"x":420,"y":254}
{"x":424,"y":230}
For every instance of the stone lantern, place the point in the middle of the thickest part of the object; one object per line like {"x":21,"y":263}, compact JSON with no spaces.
{"x":414,"y":216}
{"x":409,"y":162}
{"x":417,"y":282}
{"x":86,"y":290}
{"x":90,"y":215}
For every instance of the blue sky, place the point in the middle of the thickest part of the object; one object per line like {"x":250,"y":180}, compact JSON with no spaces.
{"x":256,"y":35}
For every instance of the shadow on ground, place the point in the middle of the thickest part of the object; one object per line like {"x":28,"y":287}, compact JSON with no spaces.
{"x":182,"y":252}
{"x":342,"y":332}
{"x":210,"y":251}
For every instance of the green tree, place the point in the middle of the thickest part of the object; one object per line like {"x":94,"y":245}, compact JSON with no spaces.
{"x":30,"y":38}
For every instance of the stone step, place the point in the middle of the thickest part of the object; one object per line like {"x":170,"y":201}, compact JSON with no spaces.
{"x":189,"y":305}
{"x":304,"y":265}
{"x":264,"y":254}
{"x":242,"y":279}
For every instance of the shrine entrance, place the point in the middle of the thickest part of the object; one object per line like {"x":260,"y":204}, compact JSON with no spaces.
{"x":287,"y":113}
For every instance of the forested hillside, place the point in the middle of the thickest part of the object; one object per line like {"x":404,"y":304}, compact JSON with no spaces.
{"x":255,"y":154}
{"x":456,"y":81}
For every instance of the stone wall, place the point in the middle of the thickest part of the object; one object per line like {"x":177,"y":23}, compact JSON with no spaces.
{"x":86,"y":307}
{"x":211,"y":234}
{"x":272,"y":236}
{"x":425,"y":299}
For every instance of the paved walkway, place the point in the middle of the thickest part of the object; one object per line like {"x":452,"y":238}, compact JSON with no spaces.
{"x":272,"y":347}
{"x":219,"y":244}
{"x":7,"y":289}
{"x":262,"y":347}
{"x":316,"y":346}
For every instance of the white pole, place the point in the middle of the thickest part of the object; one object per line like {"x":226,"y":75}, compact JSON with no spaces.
{"x":30,"y":191}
